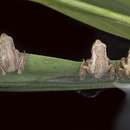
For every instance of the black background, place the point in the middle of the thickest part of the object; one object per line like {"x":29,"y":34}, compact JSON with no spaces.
{"x":40,"y":30}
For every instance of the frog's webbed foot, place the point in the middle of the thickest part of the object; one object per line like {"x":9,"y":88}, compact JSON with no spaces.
{"x":83,"y":70}
{"x":21,"y":62}
{"x":111,"y":71}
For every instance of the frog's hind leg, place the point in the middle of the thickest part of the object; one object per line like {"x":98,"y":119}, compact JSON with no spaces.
{"x":21,"y":63}
{"x":121,"y":73}
{"x":2,"y":69}
{"x":111,"y":72}
{"x":4,"y":66}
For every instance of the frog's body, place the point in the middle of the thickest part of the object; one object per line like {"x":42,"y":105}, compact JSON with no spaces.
{"x":11,"y":59}
{"x":124,"y":69}
{"x":99,"y":64}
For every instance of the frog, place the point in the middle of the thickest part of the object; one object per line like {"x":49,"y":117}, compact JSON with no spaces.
{"x":99,"y":64}
{"x":11,"y":60}
{"x":124,"y":67}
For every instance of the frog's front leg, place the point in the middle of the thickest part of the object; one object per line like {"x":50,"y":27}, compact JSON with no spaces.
{"x":111,"y":71}
{"x":83,"y":70}
{"x":21,"y":62}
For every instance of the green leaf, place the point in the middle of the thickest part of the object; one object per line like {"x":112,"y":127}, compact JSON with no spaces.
{"x":112,"y":16}
{"x":44,"y":73}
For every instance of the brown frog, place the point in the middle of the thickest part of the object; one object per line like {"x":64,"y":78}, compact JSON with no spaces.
{"x":124,"y":69}
{"x":11,"y":59}
{"x":99,"y":64}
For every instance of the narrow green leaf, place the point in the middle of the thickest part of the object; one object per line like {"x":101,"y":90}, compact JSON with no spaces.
{"x":50,"y":74}
{"x":112,"y":16}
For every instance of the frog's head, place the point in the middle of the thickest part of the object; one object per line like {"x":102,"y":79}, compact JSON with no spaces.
{"x":3,"y":35}
{"x":99,"y":49}
{"x":6,"y":40}
{"x":3,"y":38}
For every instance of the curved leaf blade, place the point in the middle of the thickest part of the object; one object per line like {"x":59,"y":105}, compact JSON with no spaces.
{"x":112,"y":16}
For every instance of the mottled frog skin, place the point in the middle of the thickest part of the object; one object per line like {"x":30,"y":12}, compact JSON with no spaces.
{"x":99,"y":64}
{"x":11,"y":59}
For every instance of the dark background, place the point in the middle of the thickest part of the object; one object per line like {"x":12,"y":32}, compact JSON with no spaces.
{"x":40,"y":30}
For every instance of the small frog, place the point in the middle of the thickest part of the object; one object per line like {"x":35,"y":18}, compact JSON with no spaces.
{"x":99,"y":64}
{"x":11,"y":59}
{"x":124,"y":69}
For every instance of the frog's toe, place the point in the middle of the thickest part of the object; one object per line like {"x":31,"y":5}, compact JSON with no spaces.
{"x":3,"y":73}
{"x":19,"y":72}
